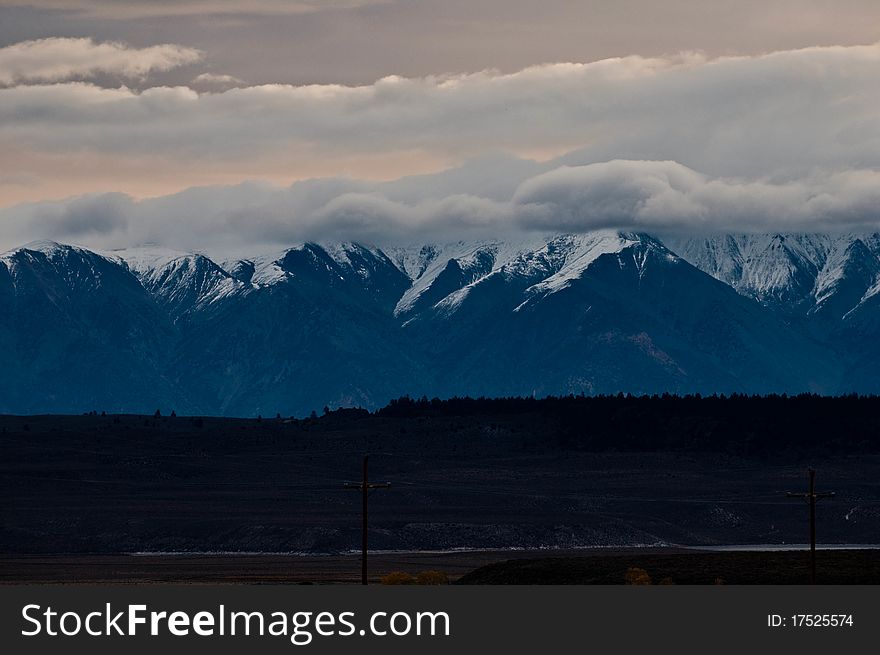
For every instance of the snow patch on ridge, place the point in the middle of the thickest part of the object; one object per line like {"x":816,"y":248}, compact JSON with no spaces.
{"x":580,"y":252}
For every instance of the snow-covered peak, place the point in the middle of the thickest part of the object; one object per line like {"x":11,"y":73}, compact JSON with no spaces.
{"x":447,"y":273}
{"x":777,"y":268}
{"x":143,"y":260}
{"x":413,"y":261}
{"x":65,"y":267}
{"x":801,"y":273}
{"x":470,"y":261}
{"x":50,"y":249}
{"x":266,"y":267}
{"x":179,"y":280}
{"x":46,"y":246}
{"x":850,"y":277}
{"x":811,"y":273}
{"x":350,"y":255}
{"x":357,"y":270}
{"x":570,"y":255}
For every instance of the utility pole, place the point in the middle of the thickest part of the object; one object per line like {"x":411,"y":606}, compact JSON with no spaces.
{"x":365,"y":487}
{"x":812,"y":497}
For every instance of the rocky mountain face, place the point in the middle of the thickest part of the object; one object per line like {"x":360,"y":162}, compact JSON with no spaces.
{"x":796,"y":273}
{"x":355,"y":325}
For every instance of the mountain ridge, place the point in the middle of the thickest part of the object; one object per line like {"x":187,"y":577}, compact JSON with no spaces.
{"x":344,"y":324}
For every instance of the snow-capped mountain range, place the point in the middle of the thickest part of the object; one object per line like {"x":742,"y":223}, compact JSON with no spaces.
{"x":347,"y":324}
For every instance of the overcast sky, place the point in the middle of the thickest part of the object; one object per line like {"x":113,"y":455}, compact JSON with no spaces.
{"x":565,"y":114}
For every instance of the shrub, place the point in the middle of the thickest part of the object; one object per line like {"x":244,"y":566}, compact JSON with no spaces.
{"x":397,"y":578}
{"x":637,"y":576}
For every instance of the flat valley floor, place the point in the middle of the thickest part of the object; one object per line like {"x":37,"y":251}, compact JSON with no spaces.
{"x":662,"y":566}
{"x":497,"y":479}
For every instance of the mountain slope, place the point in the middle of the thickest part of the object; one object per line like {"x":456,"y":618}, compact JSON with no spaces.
{"x":635,"y":319}
{"x":180,"y":282}
{"x":346,"y":324}
{"x":79,"y":332}
{"x":799,"y":274}
{"x":314,"y":326}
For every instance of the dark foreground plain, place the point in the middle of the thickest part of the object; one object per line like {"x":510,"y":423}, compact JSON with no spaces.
{"x":662,"y":566}
{"x":767,"y":567}
{"x":242,"y":569}
{"x":492,"y":475}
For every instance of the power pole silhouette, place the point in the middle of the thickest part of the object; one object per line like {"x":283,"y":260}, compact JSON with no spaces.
{"x":812,"y":497}
{"x":365,"y":487}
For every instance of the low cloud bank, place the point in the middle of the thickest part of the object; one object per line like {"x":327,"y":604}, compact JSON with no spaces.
{"x":651,"y":196}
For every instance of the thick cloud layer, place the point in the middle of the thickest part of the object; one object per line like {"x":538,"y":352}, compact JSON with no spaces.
{"x":59,"y":59}
{"x":666,"y":196}
{"x":652,"y":196}
{"x":782,"y":114}
{"x":787,"y":140}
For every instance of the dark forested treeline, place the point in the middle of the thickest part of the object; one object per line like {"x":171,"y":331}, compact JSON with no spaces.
{"x":748,"y":425}
{"x":739,"y":425}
